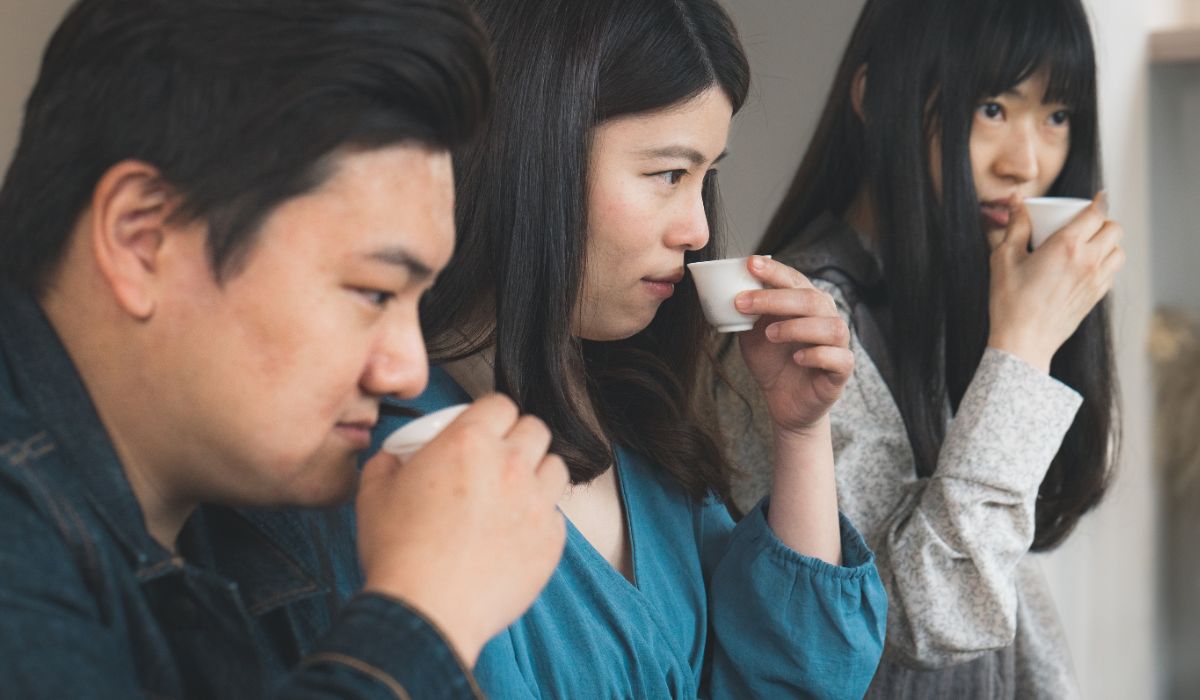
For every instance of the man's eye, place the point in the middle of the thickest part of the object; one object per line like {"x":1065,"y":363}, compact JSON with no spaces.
{"x":672,"y":177}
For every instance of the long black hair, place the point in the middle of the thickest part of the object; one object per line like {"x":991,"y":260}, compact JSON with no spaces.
{"x":929,"y":64}
{"x":563,"y":67}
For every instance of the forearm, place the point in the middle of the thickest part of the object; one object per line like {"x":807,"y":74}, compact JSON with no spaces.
{"x":804,"y":508}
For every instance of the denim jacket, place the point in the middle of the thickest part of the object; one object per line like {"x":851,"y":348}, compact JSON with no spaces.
{"x":92,"y":606}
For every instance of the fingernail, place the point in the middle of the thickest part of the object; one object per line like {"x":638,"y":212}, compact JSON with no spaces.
{"x":743,"y":302}
{"x":757,"y":262}
{"x":772,"y":332}
{"x":1102,"y":199}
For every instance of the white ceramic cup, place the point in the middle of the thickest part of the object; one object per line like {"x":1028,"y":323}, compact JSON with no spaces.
{"x":718,"y":282}
{"x":406,"y":440}
{"x":1049,"y":214}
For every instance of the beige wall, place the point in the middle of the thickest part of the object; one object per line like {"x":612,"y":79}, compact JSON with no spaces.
{"x":25,"y":25}
{"x":794,"y":47}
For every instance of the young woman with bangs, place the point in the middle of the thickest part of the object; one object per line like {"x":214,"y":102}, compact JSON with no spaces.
{"x":594,"y":184}
{"x":980,"y":421}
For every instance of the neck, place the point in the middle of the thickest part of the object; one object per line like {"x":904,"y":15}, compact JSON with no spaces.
{"x":106,"y":361}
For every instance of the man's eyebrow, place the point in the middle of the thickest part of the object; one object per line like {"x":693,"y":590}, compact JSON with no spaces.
{"x":685,"y":152}
{"x":418,"y":270}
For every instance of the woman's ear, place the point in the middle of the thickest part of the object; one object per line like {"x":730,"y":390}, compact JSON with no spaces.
{"x":130,"y":211}
{"x":858,"y":91}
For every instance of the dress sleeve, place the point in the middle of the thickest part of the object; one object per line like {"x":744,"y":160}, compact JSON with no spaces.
{"x":784,"y":624}
{"x":948,"y":546}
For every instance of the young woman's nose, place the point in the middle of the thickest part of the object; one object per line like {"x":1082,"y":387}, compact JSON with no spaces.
{"x":398,"y":364}
{"x":1018,"y":157}
{"x":690,"y":229}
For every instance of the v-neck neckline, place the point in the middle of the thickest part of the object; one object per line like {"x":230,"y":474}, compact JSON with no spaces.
{"x":631,"y":539}
{"x":590,"y":551}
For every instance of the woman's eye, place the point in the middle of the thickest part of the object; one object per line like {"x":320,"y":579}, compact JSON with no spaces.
{"x":1060,"y":117}
{"x":376,"y":297}
{"x":991,"y":110}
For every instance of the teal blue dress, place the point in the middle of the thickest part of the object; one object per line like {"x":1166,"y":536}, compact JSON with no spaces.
{"x":715,"y":610}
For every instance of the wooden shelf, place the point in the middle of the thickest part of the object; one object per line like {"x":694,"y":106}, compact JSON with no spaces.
{"x":1175,"y":45}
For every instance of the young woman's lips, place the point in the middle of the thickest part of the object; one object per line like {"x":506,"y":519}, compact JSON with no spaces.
{"x":996,"y":213}
{"x":662,"y":287}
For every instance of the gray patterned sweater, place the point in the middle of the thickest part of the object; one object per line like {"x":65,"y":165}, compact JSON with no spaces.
{"x":953,"y":549}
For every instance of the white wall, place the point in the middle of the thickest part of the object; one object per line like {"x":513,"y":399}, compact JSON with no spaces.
{"x":1104,"y":577}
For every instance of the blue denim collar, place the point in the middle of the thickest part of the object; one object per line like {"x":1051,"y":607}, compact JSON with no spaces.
{"x":37,"y":374}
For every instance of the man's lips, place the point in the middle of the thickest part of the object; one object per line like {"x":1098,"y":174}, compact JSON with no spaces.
{"x":357,"y":432}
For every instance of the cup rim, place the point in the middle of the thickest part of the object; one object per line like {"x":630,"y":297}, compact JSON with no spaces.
{"x":1056,"y":200}
{"x":403,"y":438}
{"x":704,"y":263}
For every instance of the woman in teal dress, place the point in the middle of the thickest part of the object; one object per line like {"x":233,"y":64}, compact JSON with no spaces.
{"x":594,"y":184}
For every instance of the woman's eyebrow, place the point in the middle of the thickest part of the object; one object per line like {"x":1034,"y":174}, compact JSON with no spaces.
{"x":686,"y":152}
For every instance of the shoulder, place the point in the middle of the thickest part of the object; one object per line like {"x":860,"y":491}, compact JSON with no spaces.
{"x":36,"y":561}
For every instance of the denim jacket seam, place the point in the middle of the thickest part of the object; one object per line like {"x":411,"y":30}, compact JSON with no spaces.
{"x":67,"y":521}
{"x":281,"y":599}
{"x":378,"y":674}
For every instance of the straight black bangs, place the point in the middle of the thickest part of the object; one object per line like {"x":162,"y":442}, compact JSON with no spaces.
{"x":1011,"y":40}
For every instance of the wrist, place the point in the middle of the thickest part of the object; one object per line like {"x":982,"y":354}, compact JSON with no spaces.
{"x":796,"y":436}
{"x":456,"y":636}
{"x":1030,"y":352}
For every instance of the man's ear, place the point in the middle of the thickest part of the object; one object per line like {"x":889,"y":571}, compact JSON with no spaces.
{"x":131,"y":206}
{"x":858,"y":92}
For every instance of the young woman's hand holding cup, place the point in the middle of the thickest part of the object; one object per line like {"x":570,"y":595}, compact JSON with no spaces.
{"x":799,"y":350}
{"x":1038,"y":299}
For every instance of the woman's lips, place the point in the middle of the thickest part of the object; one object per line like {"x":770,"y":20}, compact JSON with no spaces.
{"x":663,"y":287}
{"x":659,"y":288}
{"x":996,"y":213}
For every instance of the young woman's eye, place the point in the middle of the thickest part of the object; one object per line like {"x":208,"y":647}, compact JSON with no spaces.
{"x":1060,"y":118}
{"x":672,"y":177}
{"x":991,"y":110}
{"x":376,"y":297}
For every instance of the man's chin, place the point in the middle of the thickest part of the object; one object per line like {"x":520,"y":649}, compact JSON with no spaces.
{"x":332,"y":486}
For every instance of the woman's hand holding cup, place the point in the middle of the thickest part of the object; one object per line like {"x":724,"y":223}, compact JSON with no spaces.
{"x":799,"y":350}
{"x":1038,"y":299}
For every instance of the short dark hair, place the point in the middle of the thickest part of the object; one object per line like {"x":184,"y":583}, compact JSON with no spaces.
{"x":929,"y":64}
{"x":562,"y":68}
{"x":239,"y":104}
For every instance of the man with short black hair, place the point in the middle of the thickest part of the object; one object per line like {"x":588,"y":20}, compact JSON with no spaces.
{"x":214,"y":235}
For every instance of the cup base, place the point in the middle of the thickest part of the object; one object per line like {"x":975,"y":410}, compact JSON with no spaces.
{"x":735,"y":327}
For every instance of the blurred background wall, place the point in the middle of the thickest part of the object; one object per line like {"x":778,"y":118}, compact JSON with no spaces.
{"x":1105,"y":577}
